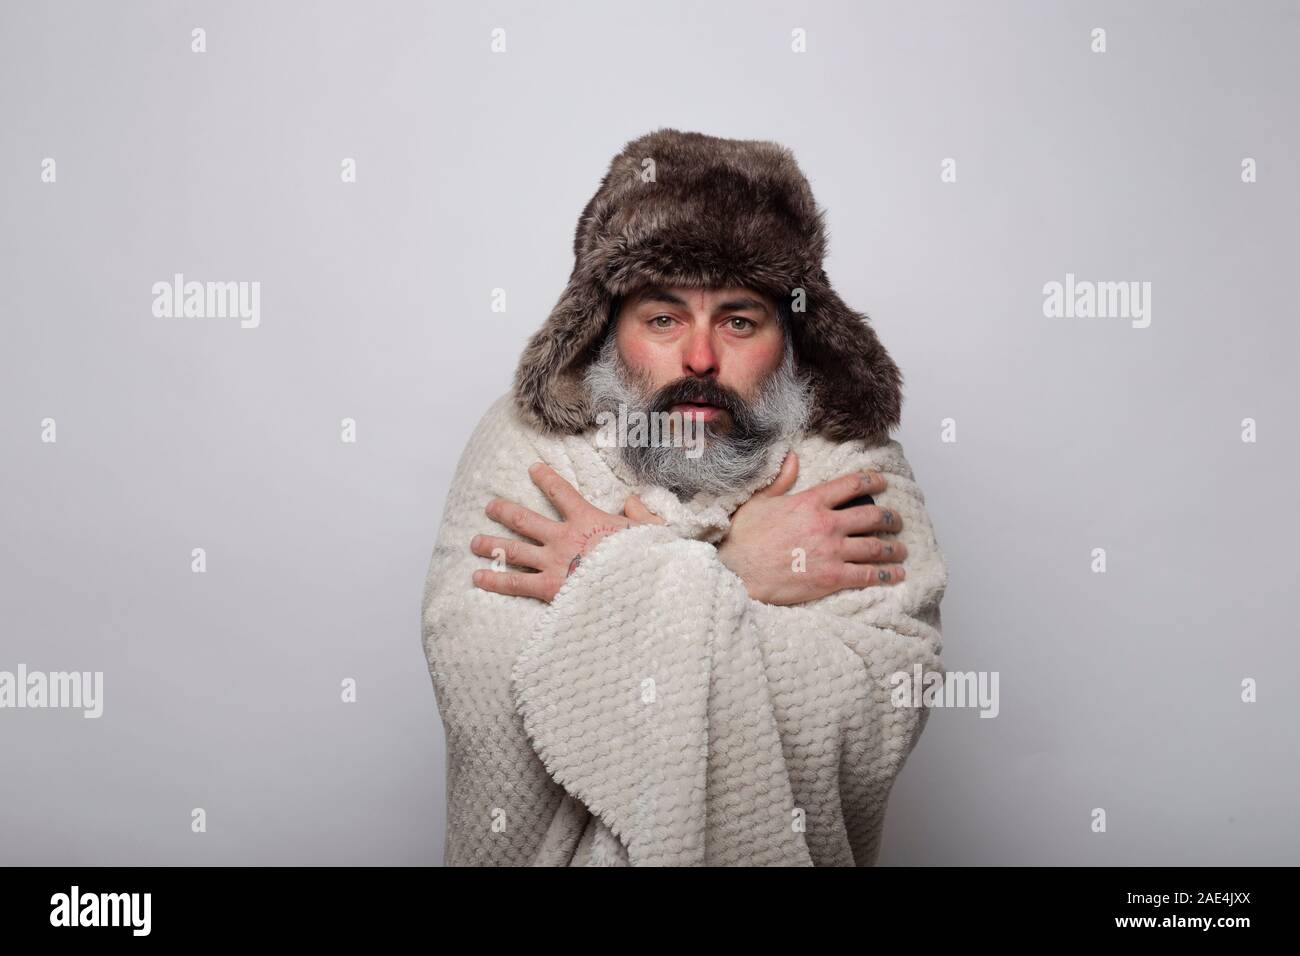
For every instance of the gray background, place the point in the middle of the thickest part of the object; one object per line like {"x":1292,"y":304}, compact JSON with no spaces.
{"x":222,"y":689}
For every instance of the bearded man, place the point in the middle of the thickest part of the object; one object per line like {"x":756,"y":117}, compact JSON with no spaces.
{"x":669,"y":653}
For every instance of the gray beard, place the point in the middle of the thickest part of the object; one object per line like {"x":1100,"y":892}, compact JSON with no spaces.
{"x":728,"y":460}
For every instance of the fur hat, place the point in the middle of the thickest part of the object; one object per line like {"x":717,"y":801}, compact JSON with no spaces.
{"x":715,"y":212}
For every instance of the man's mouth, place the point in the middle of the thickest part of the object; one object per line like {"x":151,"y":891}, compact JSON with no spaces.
{"x":699,"y":410}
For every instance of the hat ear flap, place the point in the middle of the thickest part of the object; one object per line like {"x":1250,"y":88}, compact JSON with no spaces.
{"x":857,"y":387}
{"x":549,"y":389}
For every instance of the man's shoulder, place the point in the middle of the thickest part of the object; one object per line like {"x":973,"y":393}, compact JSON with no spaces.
{"x":501,"y":423}
{"x":503,"y":409}
{"x":500,"y":439}
{"x":821,"y":458}
{"x":504,"y":444}
{"x":504,"y":437}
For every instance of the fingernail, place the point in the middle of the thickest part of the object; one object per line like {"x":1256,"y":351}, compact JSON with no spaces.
{"x":478,"y":577}
{"x":474,"y":542}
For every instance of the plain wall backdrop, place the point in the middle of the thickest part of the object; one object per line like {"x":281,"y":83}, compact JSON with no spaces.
{"x":1118,"y":690}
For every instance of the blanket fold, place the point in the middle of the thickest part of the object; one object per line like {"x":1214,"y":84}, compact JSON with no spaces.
{"x":645,"y":695}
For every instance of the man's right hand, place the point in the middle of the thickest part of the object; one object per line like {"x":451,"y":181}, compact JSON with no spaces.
{"x":840,"y":549}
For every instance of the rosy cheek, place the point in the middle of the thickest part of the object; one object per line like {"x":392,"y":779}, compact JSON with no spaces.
{"x":745,"y":367}
{"x":653,"y":359}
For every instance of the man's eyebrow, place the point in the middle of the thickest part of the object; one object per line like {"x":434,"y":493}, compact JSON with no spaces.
{"x":743,"y":303}
{"x":663,"y":295}
{"x":660,"y":295}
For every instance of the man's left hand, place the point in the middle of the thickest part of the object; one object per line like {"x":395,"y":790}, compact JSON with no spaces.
{"x":560,"y":545}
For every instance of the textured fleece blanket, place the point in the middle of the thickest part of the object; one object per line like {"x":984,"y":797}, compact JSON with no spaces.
{"x":653,"y":714}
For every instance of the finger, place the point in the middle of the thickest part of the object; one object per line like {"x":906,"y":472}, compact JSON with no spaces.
{"x":563,"y":495}
{"x":515,"y":552}
{"x":868,"y":519}
{"x":872,"y":575}
{"x":522,"y":520}
{"x":517,"y":583}
{"x":847,"y":487}
{"x":637,"y":511}
{"x":785,"y":478}
{"x":869,"y":549}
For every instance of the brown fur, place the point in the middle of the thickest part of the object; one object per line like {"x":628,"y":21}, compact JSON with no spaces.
{"x":721,"y":212}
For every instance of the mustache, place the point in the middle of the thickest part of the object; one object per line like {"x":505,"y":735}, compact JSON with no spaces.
{"x":700,"y":391}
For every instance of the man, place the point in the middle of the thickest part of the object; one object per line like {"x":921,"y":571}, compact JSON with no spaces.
{"x":676,"y":645}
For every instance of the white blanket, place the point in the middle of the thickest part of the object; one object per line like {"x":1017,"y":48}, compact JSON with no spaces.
{"x":653,"y":713}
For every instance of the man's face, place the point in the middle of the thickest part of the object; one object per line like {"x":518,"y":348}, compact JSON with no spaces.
{"x":701,"y":339}
{"x":715,"y":367}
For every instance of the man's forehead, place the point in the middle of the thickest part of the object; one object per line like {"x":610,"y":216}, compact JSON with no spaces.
{"x":729,"y":297}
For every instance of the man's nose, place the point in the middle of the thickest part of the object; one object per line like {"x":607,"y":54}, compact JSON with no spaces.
{"x":700,"y":359}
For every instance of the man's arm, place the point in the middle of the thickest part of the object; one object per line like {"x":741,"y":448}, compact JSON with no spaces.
{"x":887,"y":629}
{"x":829,"y":602}
{"x":654,"y":665}
{"x":500,"y":800}
{"x":688,"y":715}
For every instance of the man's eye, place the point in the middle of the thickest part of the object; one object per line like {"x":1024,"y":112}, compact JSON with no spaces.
{"x":744,"y":324}
{"x":662,"y":321}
